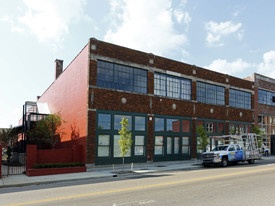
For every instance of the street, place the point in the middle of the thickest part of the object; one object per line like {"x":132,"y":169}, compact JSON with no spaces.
{"x":239,"y":184}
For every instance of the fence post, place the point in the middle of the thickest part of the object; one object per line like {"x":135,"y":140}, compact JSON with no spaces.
{"x":31,"y":156}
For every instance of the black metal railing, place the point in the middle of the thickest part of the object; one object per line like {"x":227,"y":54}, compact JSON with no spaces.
{"x":14,"y":165}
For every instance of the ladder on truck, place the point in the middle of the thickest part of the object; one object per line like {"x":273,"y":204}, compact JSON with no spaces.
{"x":250,"y":146}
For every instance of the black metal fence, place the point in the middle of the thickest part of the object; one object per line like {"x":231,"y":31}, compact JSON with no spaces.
{"x":15,"y":165}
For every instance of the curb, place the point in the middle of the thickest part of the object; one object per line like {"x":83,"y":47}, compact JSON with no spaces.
{"x":115,"y":174}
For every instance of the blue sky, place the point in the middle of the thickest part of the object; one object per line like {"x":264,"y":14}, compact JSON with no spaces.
{"x":232,"y":37}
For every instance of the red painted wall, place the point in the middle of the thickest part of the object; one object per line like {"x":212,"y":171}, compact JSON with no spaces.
{"x":53,"y":156}
{"x":68,"y":95}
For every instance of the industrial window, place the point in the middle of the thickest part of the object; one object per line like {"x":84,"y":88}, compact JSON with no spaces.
{"x":108,"y":124}
{"x":176,"y":145}
{"x":158,"y":145}
{"x":170,"y":86}
{"x":210,"y":94}
{"x":266,"y":97}
{"x":239,"y":99}
{"x":104,"y":121}
{"x":173,"y":125}
{"x":103,"y":146}
{"x":185,"y":145}
{"x":139,"y":123}
{"x":139,"y":145}
{"x":116,"y":76}
{"x":209,"y":127}
{"x":159,"y":124}
{"x":116,"y":148}
{"x":117,"y":120}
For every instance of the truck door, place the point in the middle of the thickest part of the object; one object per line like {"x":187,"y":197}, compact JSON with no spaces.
{"x":232,"y":153}
{"x":239,"y":153}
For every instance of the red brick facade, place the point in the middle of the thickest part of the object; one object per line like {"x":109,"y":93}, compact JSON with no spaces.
{"x":106,"y":99}
{"x":76,"y":96}
{"x":266,"y":112}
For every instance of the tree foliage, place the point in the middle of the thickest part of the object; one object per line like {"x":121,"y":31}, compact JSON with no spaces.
{"x":258,"y":132}
{"x":203,"y":139}
{"x":47,"y":131}
{"x":8,"y":137}
{"x":125,"y":141}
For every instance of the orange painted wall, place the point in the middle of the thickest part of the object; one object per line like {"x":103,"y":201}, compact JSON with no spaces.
{"x":68,"y":95}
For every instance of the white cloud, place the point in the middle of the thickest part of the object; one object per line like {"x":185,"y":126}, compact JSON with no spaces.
{"x":145,"y":25}
{"x":267,"y":67}
{"x":10,"y":21}
{"x":217,"y":31}
{"x":231,"y":68}
{"x":17,"y":29}
{"x":182,"y":15}
{"x":10,"y":117}
{"x":7,"y":19}
{"x":50,"y":19}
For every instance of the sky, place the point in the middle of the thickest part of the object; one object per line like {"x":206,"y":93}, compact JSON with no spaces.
{"x":232,"y":37}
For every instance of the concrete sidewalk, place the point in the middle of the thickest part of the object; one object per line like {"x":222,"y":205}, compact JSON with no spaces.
{"x":95,"y":172}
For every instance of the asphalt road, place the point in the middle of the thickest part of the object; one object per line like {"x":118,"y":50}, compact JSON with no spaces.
{"x":235,"y":185}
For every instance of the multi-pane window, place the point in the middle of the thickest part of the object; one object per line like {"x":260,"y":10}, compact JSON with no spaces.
{"x":171,"y":136}
{"x":209,"y":127}
{"x":210,"y":94}
{"x":103,"y":146}
{"x":139,"y":145}
{"x":116,"y":76}
{"x":170,"y":86}
{"x":158,"y":145}
{"x":266,"y":97}
{"x":185,"y":145}
{"x":108,"y":136}
{"x":239,"y":99}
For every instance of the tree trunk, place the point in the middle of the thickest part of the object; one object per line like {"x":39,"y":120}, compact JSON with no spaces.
{"x":123,"y":162}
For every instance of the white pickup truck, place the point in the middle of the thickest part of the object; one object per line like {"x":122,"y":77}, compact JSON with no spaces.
{"x":245,"y":150}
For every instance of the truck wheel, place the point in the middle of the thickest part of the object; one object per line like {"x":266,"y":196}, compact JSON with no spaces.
{"x":224,"y":162}
{"x":251,"y":161}
{"x":206,"y":165}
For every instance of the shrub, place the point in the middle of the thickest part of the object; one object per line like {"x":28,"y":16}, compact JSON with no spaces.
{"x":58,"y":165}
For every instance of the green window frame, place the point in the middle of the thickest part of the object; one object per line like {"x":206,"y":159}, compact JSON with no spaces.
{"x":138,"y":126}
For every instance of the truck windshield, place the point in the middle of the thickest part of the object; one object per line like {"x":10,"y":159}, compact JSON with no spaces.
{"x":220,"y":148}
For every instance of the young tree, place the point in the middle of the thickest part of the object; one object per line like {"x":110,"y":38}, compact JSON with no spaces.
{"x":258,"y":132}
{"x":47,"y":131}
{"x":125,"y":141}
{"x":8,"y":137}
{"x":203,"y":139}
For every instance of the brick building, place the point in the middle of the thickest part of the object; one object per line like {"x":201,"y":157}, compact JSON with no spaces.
{"x":265,"y":108}
{"x":164,"y":101}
